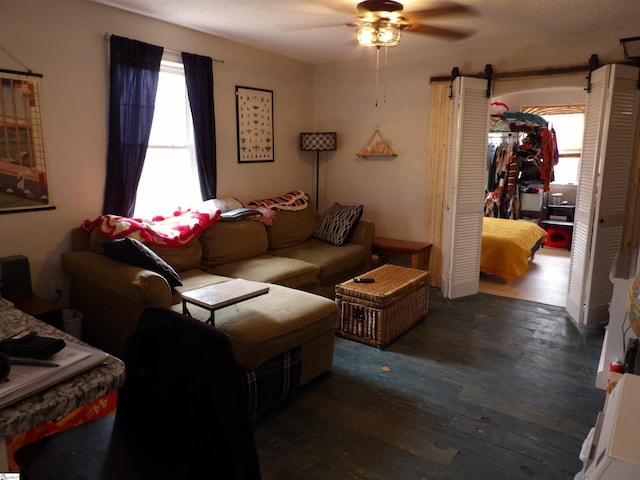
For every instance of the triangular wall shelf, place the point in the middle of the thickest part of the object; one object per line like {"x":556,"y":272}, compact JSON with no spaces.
{"x":376,"y":146}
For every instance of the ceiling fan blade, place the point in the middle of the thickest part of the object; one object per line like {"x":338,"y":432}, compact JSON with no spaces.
{"x":447,"y":9}
{"x":438,"y":31}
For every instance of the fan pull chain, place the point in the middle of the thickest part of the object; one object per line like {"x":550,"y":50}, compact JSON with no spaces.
{"x":377,"y":72}
{"x":386,"y":67}
{"x":384,"y":92}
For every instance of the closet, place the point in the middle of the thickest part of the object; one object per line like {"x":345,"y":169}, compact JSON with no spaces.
{"x":521,"y":154}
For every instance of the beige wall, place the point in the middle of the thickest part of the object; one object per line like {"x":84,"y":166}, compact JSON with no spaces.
{"x":63,"y":40}
{"x":393,"y":190}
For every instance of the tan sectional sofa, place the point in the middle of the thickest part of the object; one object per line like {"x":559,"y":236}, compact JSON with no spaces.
{"x":111,"y":294}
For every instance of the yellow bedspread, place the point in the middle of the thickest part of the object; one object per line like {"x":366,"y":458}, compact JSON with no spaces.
{"x":506,"y":246}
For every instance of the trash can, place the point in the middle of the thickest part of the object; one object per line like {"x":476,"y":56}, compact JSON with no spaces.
{"x":72,"y":321}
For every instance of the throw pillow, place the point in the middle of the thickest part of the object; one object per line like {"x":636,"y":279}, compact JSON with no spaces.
{"x":337,"y":223}
{"x":131,"y":251}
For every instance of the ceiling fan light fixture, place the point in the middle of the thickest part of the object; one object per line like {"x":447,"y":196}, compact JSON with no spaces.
{"x":379,"y":35}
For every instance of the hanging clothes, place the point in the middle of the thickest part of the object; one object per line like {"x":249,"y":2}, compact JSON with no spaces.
{"x":501,"y":198}
{"x":525,"y":165}
{"x":549,"y":156}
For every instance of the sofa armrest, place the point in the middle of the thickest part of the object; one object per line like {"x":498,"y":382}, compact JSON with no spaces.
{"x":136,"y":284}
{"x":363,"y":233}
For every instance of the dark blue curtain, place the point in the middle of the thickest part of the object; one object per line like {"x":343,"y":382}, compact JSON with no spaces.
{"x":198,"y":72}
{"x":134,"y":72}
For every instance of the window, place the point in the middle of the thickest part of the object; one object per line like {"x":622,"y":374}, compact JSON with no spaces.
{"x":568,"y":123}
{"x":169,"y":178}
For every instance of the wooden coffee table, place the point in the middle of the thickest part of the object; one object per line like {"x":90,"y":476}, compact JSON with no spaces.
{"x":220,"y":295}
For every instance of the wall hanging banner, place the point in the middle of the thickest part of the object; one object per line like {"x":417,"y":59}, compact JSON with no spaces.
{"x":23,"y":170}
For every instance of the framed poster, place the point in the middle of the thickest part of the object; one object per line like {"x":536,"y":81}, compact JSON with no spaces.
{"x":254,"y":113}
{"x":23,"y":169}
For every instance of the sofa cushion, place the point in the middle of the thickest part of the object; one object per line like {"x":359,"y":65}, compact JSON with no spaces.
{"x":227,"y":242}
{"x":292,"y":227}
{"x":131,"y":251}
{"x":272,"y":269}
{"x":330,"y":259}
{"x":337,"y":223}
{"x":181,"y":258}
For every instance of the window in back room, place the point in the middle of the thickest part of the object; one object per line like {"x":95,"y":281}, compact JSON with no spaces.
{"x":169,"y":178}
{"x":568,"y":123}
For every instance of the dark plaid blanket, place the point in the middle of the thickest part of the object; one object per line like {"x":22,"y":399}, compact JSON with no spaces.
{"x":272,"y":382}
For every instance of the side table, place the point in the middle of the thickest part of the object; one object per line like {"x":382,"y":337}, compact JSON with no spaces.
{"x":418,"y":252}
{"x":42,"y":309}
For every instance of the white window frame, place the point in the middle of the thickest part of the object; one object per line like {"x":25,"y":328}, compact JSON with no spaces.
{"x":166,"y":190}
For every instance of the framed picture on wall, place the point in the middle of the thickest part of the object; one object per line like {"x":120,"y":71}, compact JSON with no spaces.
{"x":24,"y":184}
{"x":254,"y":113}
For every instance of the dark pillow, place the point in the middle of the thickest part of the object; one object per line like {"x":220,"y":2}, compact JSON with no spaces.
{"x":337,"y":223}
{"x":131,"y":251}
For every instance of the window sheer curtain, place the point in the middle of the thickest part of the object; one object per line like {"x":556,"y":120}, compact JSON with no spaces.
{"x":133,"y":73}
{"x":198,"y":72}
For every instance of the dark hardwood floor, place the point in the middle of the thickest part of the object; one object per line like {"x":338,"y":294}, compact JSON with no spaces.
{"x":485,"y":387}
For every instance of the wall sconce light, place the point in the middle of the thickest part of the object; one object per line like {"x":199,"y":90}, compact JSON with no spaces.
{"x":318,"y":142}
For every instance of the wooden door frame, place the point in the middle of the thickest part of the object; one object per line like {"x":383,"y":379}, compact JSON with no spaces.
{"x":438,"y":151}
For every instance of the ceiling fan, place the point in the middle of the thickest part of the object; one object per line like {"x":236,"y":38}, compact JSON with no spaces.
{"x":380,"y":22}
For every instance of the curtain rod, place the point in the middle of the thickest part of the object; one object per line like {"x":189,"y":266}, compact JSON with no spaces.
{"x":107,"y":36}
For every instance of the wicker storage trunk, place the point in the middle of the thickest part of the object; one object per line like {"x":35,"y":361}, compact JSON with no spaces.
{"x":377,"y":313}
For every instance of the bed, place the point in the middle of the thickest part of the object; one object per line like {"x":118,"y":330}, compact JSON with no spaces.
{"x":507,"y":246}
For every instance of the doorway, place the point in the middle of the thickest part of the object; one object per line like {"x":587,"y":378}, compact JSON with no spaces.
{"x":547,"y":279}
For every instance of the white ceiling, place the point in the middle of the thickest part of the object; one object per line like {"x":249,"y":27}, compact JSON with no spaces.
{"x":315,"y":31}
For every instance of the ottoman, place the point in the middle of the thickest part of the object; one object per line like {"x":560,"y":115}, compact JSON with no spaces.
{"x":377,"y":313}
{"x":269,"y":325}
{"x":281,"y":341}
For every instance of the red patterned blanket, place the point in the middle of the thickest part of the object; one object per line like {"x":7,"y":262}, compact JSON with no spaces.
{"x":177,"y":231}
{"x":294,"y":200}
